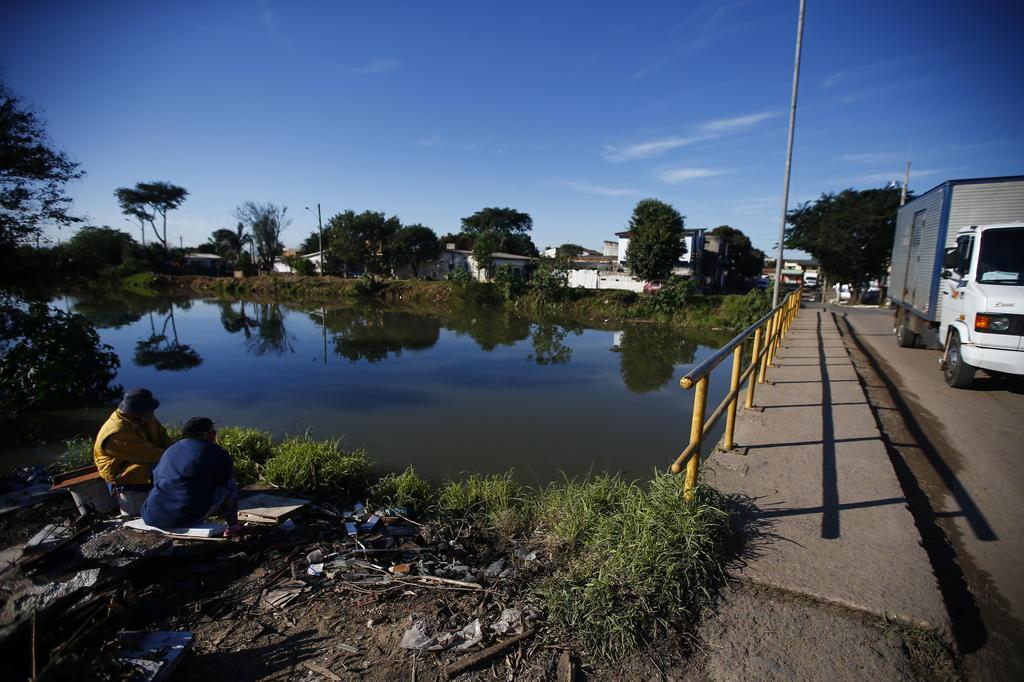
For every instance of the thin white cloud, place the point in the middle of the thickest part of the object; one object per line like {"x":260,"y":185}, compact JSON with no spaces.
{"x":895,"y":176}
{"x":645,"y":150}
{"x":728,"y":125}
{"x":381,"y":65}
{"x":898,"y":86}
{"x":469,"y":146}
{"x":869,"y":157}
{"x":708,"y":130}
{"x":758,"y":206}
{"x":269,"y":20}
{"x":599,"y":190}
{"x":428,"y":142}
{"x":674,"y":176}
{"x":872,"y":70}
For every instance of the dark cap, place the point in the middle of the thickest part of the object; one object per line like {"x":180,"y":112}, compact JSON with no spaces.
{"x":138,"y":401}
{"x":197,"y":427}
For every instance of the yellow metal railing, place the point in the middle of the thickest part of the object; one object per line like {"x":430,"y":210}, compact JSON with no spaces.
{"x":766,"y":333}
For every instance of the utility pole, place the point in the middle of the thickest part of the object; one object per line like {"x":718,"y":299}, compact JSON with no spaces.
{"x":320,"y":229}
{"x":181,"y":242}
{"x":906,"y":180}
{"x":789,"y":153}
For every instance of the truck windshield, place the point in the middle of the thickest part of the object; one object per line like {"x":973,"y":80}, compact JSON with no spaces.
{"x":1002,"y":256}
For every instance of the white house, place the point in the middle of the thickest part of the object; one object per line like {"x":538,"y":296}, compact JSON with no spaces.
{"x":452,"y":259}
{"x":315,"y":258}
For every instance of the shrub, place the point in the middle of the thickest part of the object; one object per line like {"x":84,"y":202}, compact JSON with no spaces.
{"x":77,"y":454}
{"x":739,"y":312}
{"x":367,"y":285}
{"x":568,"y":512}
{"x":249,"y":449}
{"x":646,"y":563}
{"x":407,"y":489}
{"x":497,"y":500}
{"x":508,"y":283}
{"x":307,"y":465}
{"x":550,"y":280}
{"x":672,"y":296}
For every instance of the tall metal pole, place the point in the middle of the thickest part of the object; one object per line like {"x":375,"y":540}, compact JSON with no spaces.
{"x":789,"y":154}
{"x":906,"y":181}
{"x":320,"y":227}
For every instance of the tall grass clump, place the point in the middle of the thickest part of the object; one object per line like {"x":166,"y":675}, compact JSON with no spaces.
{"x":77,"y":454}
{"x":568,"y":512}
{"x":645,"y":565}
{"x":499,"y":501}
{"x":314,"y":466}
{"x":249,"y":450}
{"x":407,"y":489}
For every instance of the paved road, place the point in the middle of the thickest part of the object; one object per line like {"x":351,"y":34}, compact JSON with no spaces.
{"x":969,"y":461}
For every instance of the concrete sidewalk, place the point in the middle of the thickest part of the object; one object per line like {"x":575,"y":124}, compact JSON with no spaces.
{"x":828,"y":515}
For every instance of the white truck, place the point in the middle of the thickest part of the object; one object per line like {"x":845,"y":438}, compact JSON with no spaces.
{"x":810,"y":279}
{"x":957,"y":277}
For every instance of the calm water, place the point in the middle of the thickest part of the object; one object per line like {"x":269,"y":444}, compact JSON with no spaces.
{"x":477,"y":391}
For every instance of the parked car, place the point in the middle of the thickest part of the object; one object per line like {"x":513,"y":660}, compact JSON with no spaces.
{"x":653,"y":286}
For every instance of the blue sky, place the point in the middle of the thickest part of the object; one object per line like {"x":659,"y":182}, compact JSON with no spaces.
{"x":571,"y":111}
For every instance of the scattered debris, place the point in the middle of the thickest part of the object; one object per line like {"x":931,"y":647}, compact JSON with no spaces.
{"x":320,"y":670}
{"x":200,"y":531}
{"x":26,"y":497}
{"x":416,"y":638}
{"x":153,"y":655}
{"x":469,"y":662}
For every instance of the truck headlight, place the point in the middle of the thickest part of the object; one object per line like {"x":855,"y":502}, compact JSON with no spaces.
{"x":990,"y":323}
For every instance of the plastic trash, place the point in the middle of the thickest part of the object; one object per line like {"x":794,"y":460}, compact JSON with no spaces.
{"x":315,"y":570}
{"x":350,"y":528}
{"x":525,"y":554}
{"x":417,"y":639}
{"x":495,"y":569}
{"x":315,"y":557}
{"x":514,"y":621}
{"x":471,"y":635}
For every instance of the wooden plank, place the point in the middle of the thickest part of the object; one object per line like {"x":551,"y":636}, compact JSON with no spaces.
{"x":469,"y":662}
{"x":319,"y":669}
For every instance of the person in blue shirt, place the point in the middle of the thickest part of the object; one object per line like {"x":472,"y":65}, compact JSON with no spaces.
{"x":195,"y":478}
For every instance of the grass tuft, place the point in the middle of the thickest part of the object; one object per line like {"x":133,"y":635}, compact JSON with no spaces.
{"x":497,"y":500}
{"x":645,"y":562}
{"x":249,"y":450}
{"x":407,"y":489}
{"x":306,"y":465}
{"x":77,"y":454}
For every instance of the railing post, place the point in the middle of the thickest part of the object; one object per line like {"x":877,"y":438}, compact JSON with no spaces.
{"x":700,"y":398}
{"x":776,"y":333}
{"x":734,"y":387}
{"x":762,"y":373}
{"x":753,"y":375}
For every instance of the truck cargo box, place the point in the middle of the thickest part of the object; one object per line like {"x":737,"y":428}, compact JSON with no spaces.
{"x":927,"y":226}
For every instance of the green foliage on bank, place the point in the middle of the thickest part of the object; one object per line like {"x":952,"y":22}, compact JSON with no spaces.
{"x":321,"y":467}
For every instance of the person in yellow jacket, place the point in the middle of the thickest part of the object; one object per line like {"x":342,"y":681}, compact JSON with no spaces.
{"x":127,"y":447}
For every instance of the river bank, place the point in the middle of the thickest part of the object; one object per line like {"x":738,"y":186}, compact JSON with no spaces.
{"x":725,"y":312}
{"x":430,"y":575}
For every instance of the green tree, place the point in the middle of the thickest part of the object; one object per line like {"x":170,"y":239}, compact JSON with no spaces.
{"x":850,"y":233}
{"x":147,"y":200}
{"x":311,"y":244}
{"x":32,"y":176}
{"x":48,"y":359}
{"x":265,"y":223}
{"x":413,"y":246}
{"x":361,"y":241}
{"x":498,"y":221}
{"x":94,"y":249}
{"x":230,"y":244}
{"x":655,"y":240}
{"x":740,"y":260}
{"x":569,"y":251}
{"x":483,"y":252}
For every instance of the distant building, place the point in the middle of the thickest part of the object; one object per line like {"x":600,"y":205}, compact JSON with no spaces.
{"x":452,"y":259}
{"x":205,"y":264}
{"x":688,"y":266}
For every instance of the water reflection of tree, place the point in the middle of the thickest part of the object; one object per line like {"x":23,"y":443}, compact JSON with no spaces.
{"x":649,"y":354}
{"x":489,"y":327}
{"x":373,"y":333}
{"x":549,"y":346}
{"x":165,"y":353}
{"x":118,"y":308}
{"x":261,"y":324}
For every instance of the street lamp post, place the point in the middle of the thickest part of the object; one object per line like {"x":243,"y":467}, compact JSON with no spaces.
{"x":320,"y":231}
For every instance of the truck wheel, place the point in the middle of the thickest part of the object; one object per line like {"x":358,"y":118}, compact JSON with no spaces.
{"x":904,"y":337}
{"x":958,"y":373}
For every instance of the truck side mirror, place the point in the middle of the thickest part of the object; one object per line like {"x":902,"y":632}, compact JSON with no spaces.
{"x":951,"y":259}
